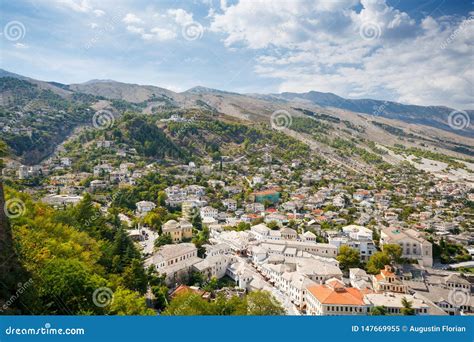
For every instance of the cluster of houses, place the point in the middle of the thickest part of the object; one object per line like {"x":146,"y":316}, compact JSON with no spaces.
{"x":308,"y":275}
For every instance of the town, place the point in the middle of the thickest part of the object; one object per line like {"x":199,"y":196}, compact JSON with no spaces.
{"x":320,"y":238}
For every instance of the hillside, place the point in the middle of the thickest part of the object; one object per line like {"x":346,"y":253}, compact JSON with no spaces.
{"x":36,"y":116}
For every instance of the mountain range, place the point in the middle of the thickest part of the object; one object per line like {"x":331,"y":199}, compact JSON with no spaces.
{"x":383,"y":122}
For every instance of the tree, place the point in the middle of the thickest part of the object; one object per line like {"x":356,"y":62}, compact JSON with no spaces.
{"x":188,"y":304}
{"x":134,"y":277}
{"x":66,"y":286}
{"x":196,"y":220}
{"x":348,"y":257}
{"x":262,"y":303}
{"x":154,"y":221}
{"x":394,"y":252}
{"x":161,"y":198}
{"x":273,"y":225}
{"x":163,"y":239}
{"x":407,"y":309}
{"x":377,"y":261}
{"x":161,"y":297}
{"x":127,"y":302}
{"x":378,"y":311}
{"x":123,"y":251}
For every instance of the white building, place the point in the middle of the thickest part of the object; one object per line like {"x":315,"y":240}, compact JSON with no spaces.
{"x":414,"y":246}
{"x":175,"y":261}
{"x":144,"y":207}
{"x":208,"y":212}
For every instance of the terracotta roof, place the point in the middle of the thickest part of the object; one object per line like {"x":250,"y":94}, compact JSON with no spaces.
{"x":182,"y":289}
{"x":343,"y":296}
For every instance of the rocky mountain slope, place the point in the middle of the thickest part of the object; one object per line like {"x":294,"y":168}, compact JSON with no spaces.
{"x":354,"y":124}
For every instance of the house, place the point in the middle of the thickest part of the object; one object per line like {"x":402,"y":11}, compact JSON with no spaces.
{"x":414,"y":246}
{"x":208,"y":212}
{"x":288,"y":234}
{"x":214,"y":266}
{"x":255,"y":207}
{"x":360,"y":279}
{"x":178,"y":230}
{"x":144,"y":207}
{"x":392,"y":302}
{"x":230,"y":204}
{"x":357,"y":237}
{"x":387,"y":281}
{"x":175,"y":262}
{"x":334,"y":298}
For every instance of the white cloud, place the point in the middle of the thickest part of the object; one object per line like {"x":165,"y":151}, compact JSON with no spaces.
{"x":156,"y":33}
{"x":180,"y":16}
{"x":163,"y":34}
{"x":321,"y":45}
{"x":98,"y":12}
{"x":76,"y":5}
{"x":131,"y":18}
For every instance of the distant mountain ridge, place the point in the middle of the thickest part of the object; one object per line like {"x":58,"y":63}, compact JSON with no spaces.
{"x":434,"y":116}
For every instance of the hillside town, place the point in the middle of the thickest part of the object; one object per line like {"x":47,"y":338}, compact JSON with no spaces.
{"x":321,"y":239}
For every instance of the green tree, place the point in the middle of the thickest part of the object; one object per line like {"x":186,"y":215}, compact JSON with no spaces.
{"x":394,"y":252}
{"x":407,"y":309}
{"x":188,"y":304}
{"x":66,"y":287}
{"x":161,"y":198}
{"x":134,"y":277}
{"x":196,"y":220}
{"x":127,"y":302}
{"x":348,"y":257}
{"x":377,"y":261}
{"x":161,"y":297}
{"x":163,"y":239}
{"x":262,"y":303}
{"x":273,"y":225}
{"x":378,"y":311}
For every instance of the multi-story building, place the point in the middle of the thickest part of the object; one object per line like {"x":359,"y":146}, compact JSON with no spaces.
{"x":414,"y":246}
{"x":334,"y":298}
{"x":175,"y":261}
{"x":178,"y":230}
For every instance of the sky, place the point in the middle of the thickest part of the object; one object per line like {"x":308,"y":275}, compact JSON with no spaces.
{"x":416,"y":52}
